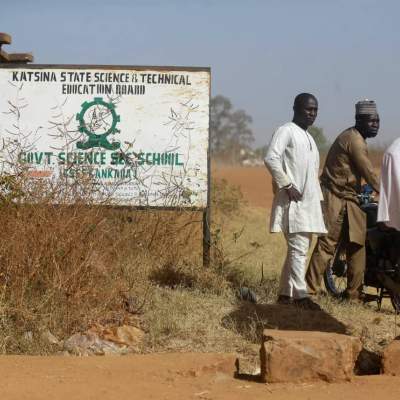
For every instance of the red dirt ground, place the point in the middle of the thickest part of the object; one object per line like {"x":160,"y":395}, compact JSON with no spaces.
{"x":255,"y":183}
{"x":165,"y":376}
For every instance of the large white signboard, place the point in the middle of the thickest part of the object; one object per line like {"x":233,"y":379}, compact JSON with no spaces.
{"x":140,"y":133}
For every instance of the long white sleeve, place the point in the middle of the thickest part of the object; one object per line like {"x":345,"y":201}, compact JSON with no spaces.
{"x":274,"y":157}
{"x":385,"y":189}
{"x":389,"y":195}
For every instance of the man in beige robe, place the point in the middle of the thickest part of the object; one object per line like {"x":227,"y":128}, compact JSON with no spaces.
{"x":346,"y":164}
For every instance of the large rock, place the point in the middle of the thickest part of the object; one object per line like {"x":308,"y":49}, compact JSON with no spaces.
{"x":89,"y":343}
{"x":391,"y":358}
{"x":124,"y":335}
{"x":99,"y":340}
{"x":299,"y":356}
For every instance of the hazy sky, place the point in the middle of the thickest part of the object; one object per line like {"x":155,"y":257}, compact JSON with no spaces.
{"x":261,"y":53}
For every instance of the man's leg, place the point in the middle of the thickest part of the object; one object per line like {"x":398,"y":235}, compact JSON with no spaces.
{"x":323,"y":253}
{"x":334,"y":215}
{"x":284,"y":283}
{"x":296,"y":261}
{"x":355,"y":255}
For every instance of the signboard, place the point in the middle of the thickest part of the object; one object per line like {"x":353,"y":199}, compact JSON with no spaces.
{"x":140,"y":133}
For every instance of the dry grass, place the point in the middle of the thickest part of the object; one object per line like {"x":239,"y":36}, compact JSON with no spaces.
{"x":64,"y":268}
{"x":375,"y":328}
{"x":186,"y":319}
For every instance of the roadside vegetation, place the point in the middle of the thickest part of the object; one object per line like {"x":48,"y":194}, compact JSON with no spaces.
{"x":67,"y":267}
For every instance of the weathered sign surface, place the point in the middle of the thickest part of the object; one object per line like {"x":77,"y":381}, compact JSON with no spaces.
{"x":141,"y":133}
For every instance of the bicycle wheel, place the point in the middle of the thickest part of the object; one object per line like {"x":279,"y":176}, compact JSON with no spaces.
{"x":395,"y":300}
{"x":335,"y":276}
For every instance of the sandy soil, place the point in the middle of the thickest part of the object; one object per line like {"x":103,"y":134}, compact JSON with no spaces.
{"x":166,"y":376}
{"x":255,"y":183}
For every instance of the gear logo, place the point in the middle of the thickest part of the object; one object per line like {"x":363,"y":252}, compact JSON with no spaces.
{"x":98,"y":119}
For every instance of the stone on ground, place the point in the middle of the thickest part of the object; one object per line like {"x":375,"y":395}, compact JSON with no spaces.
{"x":100,"y":340}
{"x":303,"y":356}
{"x":391,"y":358}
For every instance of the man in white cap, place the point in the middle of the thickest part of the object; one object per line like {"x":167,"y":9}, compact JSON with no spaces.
{"x":346,"y":164}
{"x":293,"y":161}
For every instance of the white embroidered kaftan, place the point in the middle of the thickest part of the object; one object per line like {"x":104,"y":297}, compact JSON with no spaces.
{"x":293,"y":158}
{"x":389,"y":193}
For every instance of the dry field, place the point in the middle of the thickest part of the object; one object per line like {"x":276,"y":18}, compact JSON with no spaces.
{"x":186,"y":308}
{"x":202,"y":315}
{"x":260,"y":254}
{"x":254,"y":182}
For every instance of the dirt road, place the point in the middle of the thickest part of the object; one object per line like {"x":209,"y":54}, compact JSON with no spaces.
{"x":164,"y":376}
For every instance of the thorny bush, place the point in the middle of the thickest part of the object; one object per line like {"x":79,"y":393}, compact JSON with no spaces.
{"x":66,"y":263}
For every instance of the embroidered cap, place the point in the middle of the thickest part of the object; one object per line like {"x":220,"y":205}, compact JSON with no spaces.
{"x":366,"y":107}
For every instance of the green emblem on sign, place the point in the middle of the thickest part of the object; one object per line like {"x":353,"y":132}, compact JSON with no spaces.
{"x":98,"y":120}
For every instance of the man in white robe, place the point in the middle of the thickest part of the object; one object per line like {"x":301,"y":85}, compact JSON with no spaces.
{"x":389,"y":194}
{"x":293,"y":161}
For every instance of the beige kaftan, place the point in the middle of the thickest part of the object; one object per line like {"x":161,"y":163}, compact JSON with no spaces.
{"x":346,"y":164}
